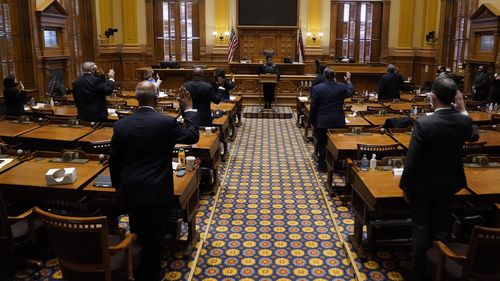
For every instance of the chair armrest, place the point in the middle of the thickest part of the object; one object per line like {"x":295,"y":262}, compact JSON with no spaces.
{"x":447,"y":251}
{"x":124,"y":244}
{"x":22,"y":216}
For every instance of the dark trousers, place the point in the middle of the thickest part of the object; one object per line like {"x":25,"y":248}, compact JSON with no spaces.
{"x":321,"y":138}
{"x":430,"y":222}
{"x":149,"y":223}
{"x":268,"y":89}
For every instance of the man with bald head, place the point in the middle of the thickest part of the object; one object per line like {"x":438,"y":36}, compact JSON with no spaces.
{"x":203,"y":94}
{"x":141,"y":169}
{"x":90,"y":91}
{"x":390,"y":84}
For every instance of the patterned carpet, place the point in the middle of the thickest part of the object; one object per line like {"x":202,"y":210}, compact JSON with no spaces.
{"x":271,"y":221}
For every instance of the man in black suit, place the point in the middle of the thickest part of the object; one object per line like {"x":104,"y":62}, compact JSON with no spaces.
{"x":203,"y":94}
{"x":327,"y":109}
{"x":481,"y":85}
{"x":434,"y":172}
{"x":90,"y":91}
{"x":141,"y":169}
{"x":390,"y":84}
{"x":268,"y":88}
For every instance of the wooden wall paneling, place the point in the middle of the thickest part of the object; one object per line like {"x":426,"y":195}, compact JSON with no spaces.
{"x":420,"y":76}
{"x":255,"y":39}
{"x":376,"y":32}
{"x":333,"y":31}
{"x":157,"y":16}
{"x":384,"y":36}
{"x":129,"y":16}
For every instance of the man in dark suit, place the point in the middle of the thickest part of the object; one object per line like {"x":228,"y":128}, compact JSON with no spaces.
{"x":434,"y":172}
{"x":203,"y":94}
{"x":481,"y":85}
{"x":327,"y":109}
{"x":141,"y":169}
{"x":90,"y":91}
{"x":390,"y":84}
{"x":268,"y":88}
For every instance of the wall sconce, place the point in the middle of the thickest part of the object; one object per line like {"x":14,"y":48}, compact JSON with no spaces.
{"x":314,"y":37}
{"x":430,"y":38}
{"x":221,"y":35}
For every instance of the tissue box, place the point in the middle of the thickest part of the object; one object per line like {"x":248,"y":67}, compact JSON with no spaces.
{"x":398,"y":171}
{"x":60,"y":176}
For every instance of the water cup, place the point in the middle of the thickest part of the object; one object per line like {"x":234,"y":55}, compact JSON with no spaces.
{"x":190,"y":163}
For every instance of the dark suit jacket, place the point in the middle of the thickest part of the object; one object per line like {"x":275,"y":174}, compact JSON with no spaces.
{"x":327,"y":104}
{"x":203,"y":94}
{"x":141,"y":155}
{"x":228,"y":85}
{"x":481,"y":83}
{"x":433,"y":163}
{"x":90,"y":94}
{"x":14,"y":101}
{"x":389,"y":86}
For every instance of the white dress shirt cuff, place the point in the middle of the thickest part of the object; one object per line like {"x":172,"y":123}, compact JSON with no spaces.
{"x":191,"y":110}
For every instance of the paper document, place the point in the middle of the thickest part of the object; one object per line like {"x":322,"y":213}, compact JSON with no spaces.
{"x":174,"y":165}
{"x":232,"y":97}
{"x":5,"y":161}
{"x":162,"y":94}
{"x":347,"y":121}
{"x":303,"y":99}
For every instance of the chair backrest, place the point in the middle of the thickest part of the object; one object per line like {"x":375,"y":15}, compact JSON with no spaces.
{"x":38,"y":112}
{"x":472,"y":148}
{"x":495,"y":119}
{"x":80,"y":244}
{"x":474,"y":105}
{"x":483,"y":260}
{"x":5,"y":230}
{"x":379,"y":150}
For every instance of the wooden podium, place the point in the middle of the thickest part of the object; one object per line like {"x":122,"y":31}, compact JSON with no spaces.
{"x":271,"y":79}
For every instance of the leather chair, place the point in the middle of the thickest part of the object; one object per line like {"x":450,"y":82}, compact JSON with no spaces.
{"x":85,"y":249}
{"x":479,"y":260}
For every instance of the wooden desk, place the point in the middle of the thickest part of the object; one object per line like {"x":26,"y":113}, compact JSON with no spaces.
{"x":397,"y":106}
{"x":207,"y":149}
{"x":480,"y":117}
{"x":402,"y":138}
{"x":341,"y":146}
{"x":483,"y":182}
{"x":377,"y":202}
{"x":13,"y":129}
{"x":300,"y":110}
{"x":251,"y":68}
{"x":186,"y":193}
{"x":101,"y":134}
{"x":224,"y":126}
{"x":53,"y":137}
{"x":13,"y":163}
{"x":492,"y":139}
{"x":379,"y":120}
{"x":25,"y":183}
{"x":356,"y":121}
{"x":58,"y":132}
{"x":60,"y":111}
{"x":238,"y":101}
{"x":230,"y":109}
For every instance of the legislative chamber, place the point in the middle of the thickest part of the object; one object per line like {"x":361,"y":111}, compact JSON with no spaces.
{"x":250,"y":140}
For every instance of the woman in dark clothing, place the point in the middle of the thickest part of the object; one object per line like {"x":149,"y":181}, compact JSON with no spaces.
{"x":220,"y":80}
{"x":495,"y":97}
{"x":14,"y":99}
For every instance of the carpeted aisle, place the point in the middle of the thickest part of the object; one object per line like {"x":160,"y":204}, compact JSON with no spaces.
{"x":271,"y":222}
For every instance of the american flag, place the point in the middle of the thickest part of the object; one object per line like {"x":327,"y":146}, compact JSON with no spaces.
{"x":233,"y":45}
{"x":302,"y":58}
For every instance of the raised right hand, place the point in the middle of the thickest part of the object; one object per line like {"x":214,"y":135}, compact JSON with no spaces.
{"x":185,"y":101}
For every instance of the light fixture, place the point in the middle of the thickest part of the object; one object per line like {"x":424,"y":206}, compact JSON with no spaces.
{"x":313,"y":36}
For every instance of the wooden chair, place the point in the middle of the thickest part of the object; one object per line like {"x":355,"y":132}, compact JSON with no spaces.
{"x":100,"y":147}
{"x":86,"y":251}
{"x":377,"y":108}
{"x":17,"y":239}
{"x":473,"y":148}
{"x":379,"y":150}
{"x":478,"y":260}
